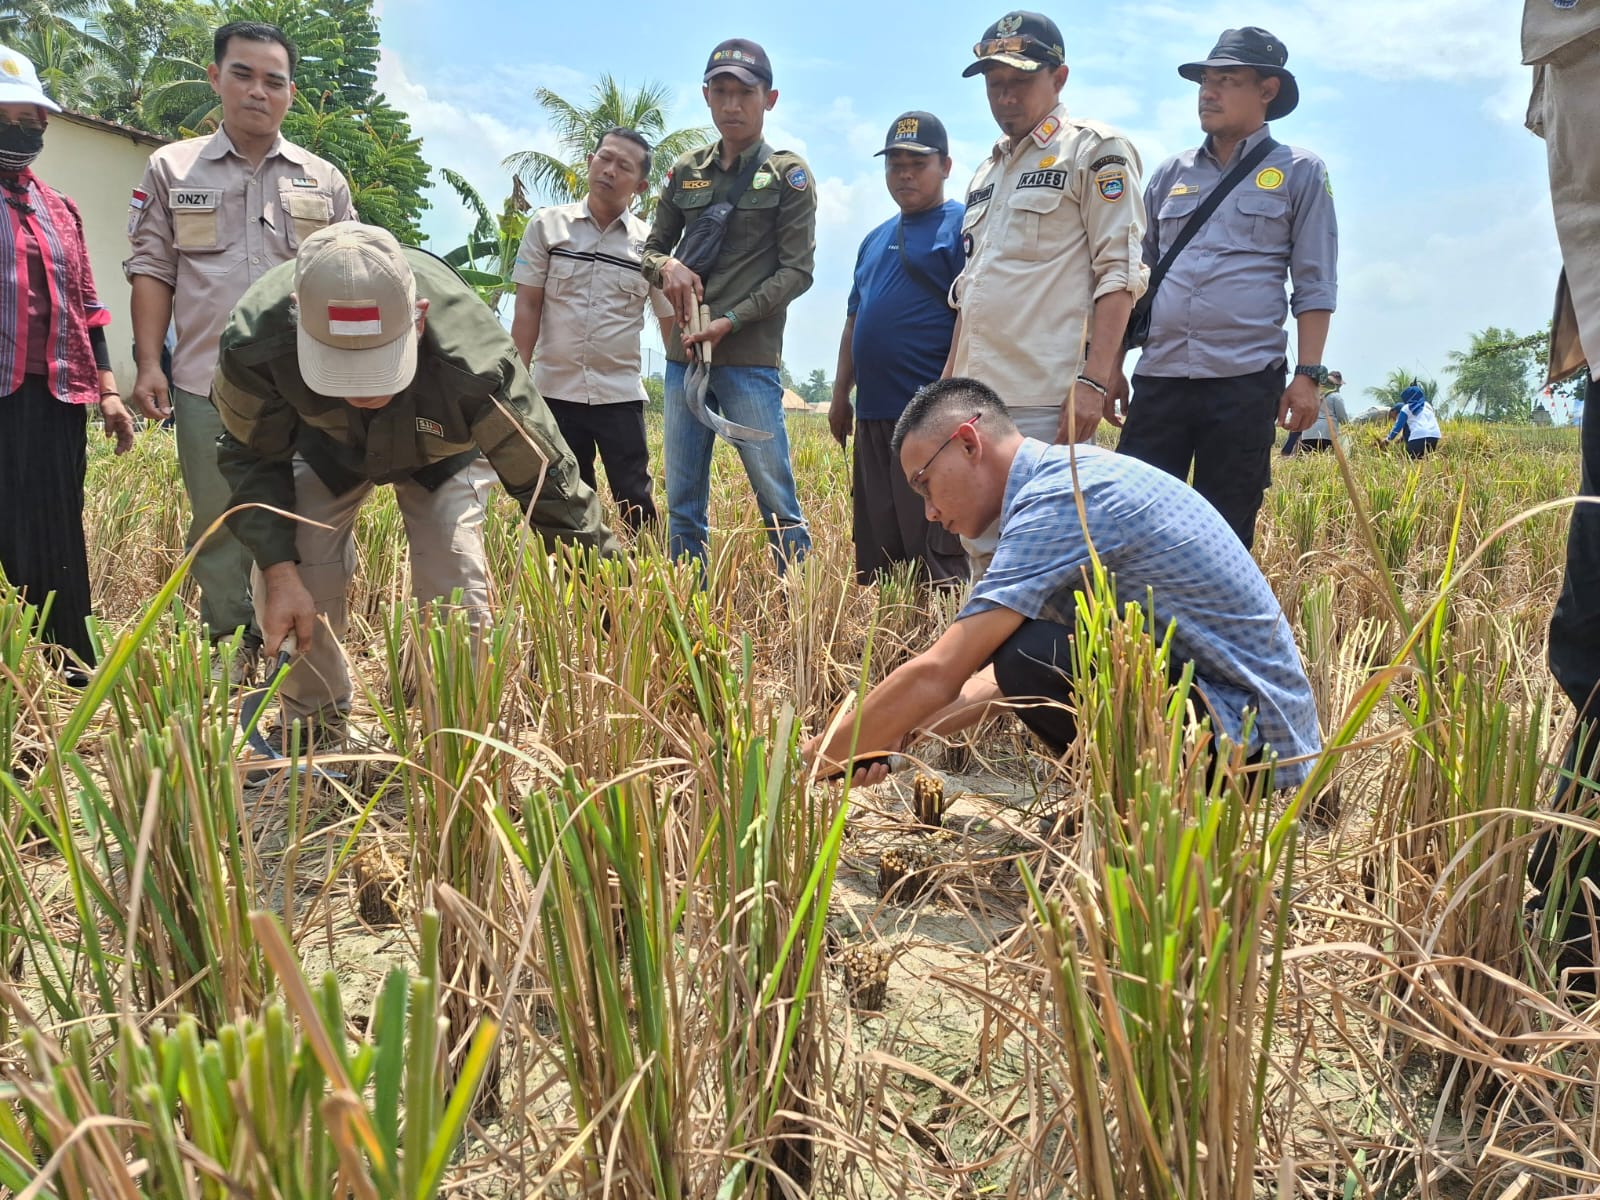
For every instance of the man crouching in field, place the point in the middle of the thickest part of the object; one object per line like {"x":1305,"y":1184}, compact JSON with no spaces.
{"x":963,"y":455}
{"x":358,"y":364}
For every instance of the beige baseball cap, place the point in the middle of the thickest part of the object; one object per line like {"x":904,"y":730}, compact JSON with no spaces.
{"x":19,"y":82}
{"x":358,"y":320}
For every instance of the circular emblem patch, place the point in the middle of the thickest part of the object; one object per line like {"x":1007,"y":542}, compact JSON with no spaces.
{"x":966,"y":244}
{"x":1270,"y":179}
{"x":11,"y":67}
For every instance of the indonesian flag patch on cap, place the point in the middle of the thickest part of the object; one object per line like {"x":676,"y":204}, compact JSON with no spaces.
{"x":356,"y":318}
{"x":358,"y":312}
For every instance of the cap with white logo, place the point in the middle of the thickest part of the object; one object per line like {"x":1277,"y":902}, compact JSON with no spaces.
{"x":19,"y":82}
{"x":357,"y":300}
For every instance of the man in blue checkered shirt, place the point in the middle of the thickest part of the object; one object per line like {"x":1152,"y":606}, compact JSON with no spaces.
{"x":1156,"y":536}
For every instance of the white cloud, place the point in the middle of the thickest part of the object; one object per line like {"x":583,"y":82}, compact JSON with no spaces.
{"x":468,"y":126}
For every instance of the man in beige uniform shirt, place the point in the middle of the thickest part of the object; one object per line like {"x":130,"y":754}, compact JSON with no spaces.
{"x":580,"y":303}
{"x":1561,"y":41}
{"x":211,"y":216}
{"x":1052,"y":232}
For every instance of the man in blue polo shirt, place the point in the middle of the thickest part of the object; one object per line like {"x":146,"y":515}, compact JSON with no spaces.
{"x":1160,"y":541}
{"x":896,"y":338}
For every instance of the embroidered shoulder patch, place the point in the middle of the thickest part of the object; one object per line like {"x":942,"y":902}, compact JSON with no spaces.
{"x":1110,"y":160}
{"x":139,"y":200}
{"x":1112,"y":185}
{"x":979,"y":196}
{"x":798,"y":179}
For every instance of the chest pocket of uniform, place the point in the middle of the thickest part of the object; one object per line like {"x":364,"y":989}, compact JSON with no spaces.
{"x":196,"y":219}
{"x":1173,"y":215}
{"x":1034,"y":233}
{"x":754,"y":219}
{"x":562,"y":275}
{"x":1263,"y":218}
{"x":304,"y":211}
{"x":635,"y":284}
{"x":690,"y":200}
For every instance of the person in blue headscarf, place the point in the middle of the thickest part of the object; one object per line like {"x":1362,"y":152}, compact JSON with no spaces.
{"x":1415,"y":417}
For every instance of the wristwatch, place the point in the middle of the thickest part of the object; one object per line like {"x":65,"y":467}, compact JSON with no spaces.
{"x":1318,"y":372}
{"x":733,"y":320}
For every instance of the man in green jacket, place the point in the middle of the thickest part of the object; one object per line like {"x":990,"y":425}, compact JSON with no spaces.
{"x":363,"y":363}
{"x":764,"y":264}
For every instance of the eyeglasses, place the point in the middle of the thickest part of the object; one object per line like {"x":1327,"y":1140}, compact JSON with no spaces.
{"x":917,"y":484}
{"x":1022,"y":43}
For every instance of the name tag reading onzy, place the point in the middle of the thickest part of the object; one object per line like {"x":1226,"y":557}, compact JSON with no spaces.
{"x":1042,"y":179}
{"x":201,"y":198}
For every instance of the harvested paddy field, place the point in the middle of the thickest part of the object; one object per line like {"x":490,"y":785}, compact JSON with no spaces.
{"x":570,"y":919}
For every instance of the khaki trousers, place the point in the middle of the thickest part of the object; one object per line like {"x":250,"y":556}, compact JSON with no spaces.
{"x":444,"y":531}
{"x":222,"y":568}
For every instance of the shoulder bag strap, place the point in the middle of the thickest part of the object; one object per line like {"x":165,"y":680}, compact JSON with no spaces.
{"x":1203,"y":213}
{"x":757,"y":161}
{"x":918,"y":275}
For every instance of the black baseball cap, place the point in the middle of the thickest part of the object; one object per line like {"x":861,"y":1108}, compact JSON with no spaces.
{"x":1252,"y":47}
{"x":1028,"y":41}
{"x":743,"y":59}
{"x":919,"y":131}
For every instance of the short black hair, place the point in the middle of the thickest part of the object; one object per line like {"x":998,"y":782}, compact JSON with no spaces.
{"x":628,"y":135}
{"x":958,"y":399}
{"x":252,"y":31}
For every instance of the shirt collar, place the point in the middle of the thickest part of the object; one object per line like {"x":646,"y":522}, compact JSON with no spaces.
{"x":1023,"y":465}
{"x":221,"y":145}
{"x":713,"y":154}
{"x":1005,"y":147}
{"x":1243,"y":148}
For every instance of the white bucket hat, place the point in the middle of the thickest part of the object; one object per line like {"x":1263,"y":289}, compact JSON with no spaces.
{"x":19,"y":82}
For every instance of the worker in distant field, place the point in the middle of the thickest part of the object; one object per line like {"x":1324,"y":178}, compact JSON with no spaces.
{"x":365,"y":363}
{"x":1158,"y":539}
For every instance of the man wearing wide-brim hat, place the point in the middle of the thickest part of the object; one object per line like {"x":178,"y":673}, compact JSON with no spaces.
{"x":1215,"y":374}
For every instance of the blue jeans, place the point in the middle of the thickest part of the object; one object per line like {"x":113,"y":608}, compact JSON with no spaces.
{"x":750,"y":396}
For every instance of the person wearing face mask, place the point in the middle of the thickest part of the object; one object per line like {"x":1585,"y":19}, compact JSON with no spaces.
{"x":210,"y":217}
{"x":54,"y":364}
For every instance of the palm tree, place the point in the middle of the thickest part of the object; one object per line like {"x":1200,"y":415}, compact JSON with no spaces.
{"x":1398,"y":380}
{"x":579,"y":127}
{"x":487,"y":257}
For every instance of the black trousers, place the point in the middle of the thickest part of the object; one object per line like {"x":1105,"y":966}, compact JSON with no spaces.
{"x":43,"y":457}
{"x":1420,"y":447}
{"x":890,"y":525}
{"x":1575,"y":664}
{"x":1223,"y":429}
{"x":617,"y":431}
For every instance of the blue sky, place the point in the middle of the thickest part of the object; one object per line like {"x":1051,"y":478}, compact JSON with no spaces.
{"x":1416,"y":106}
